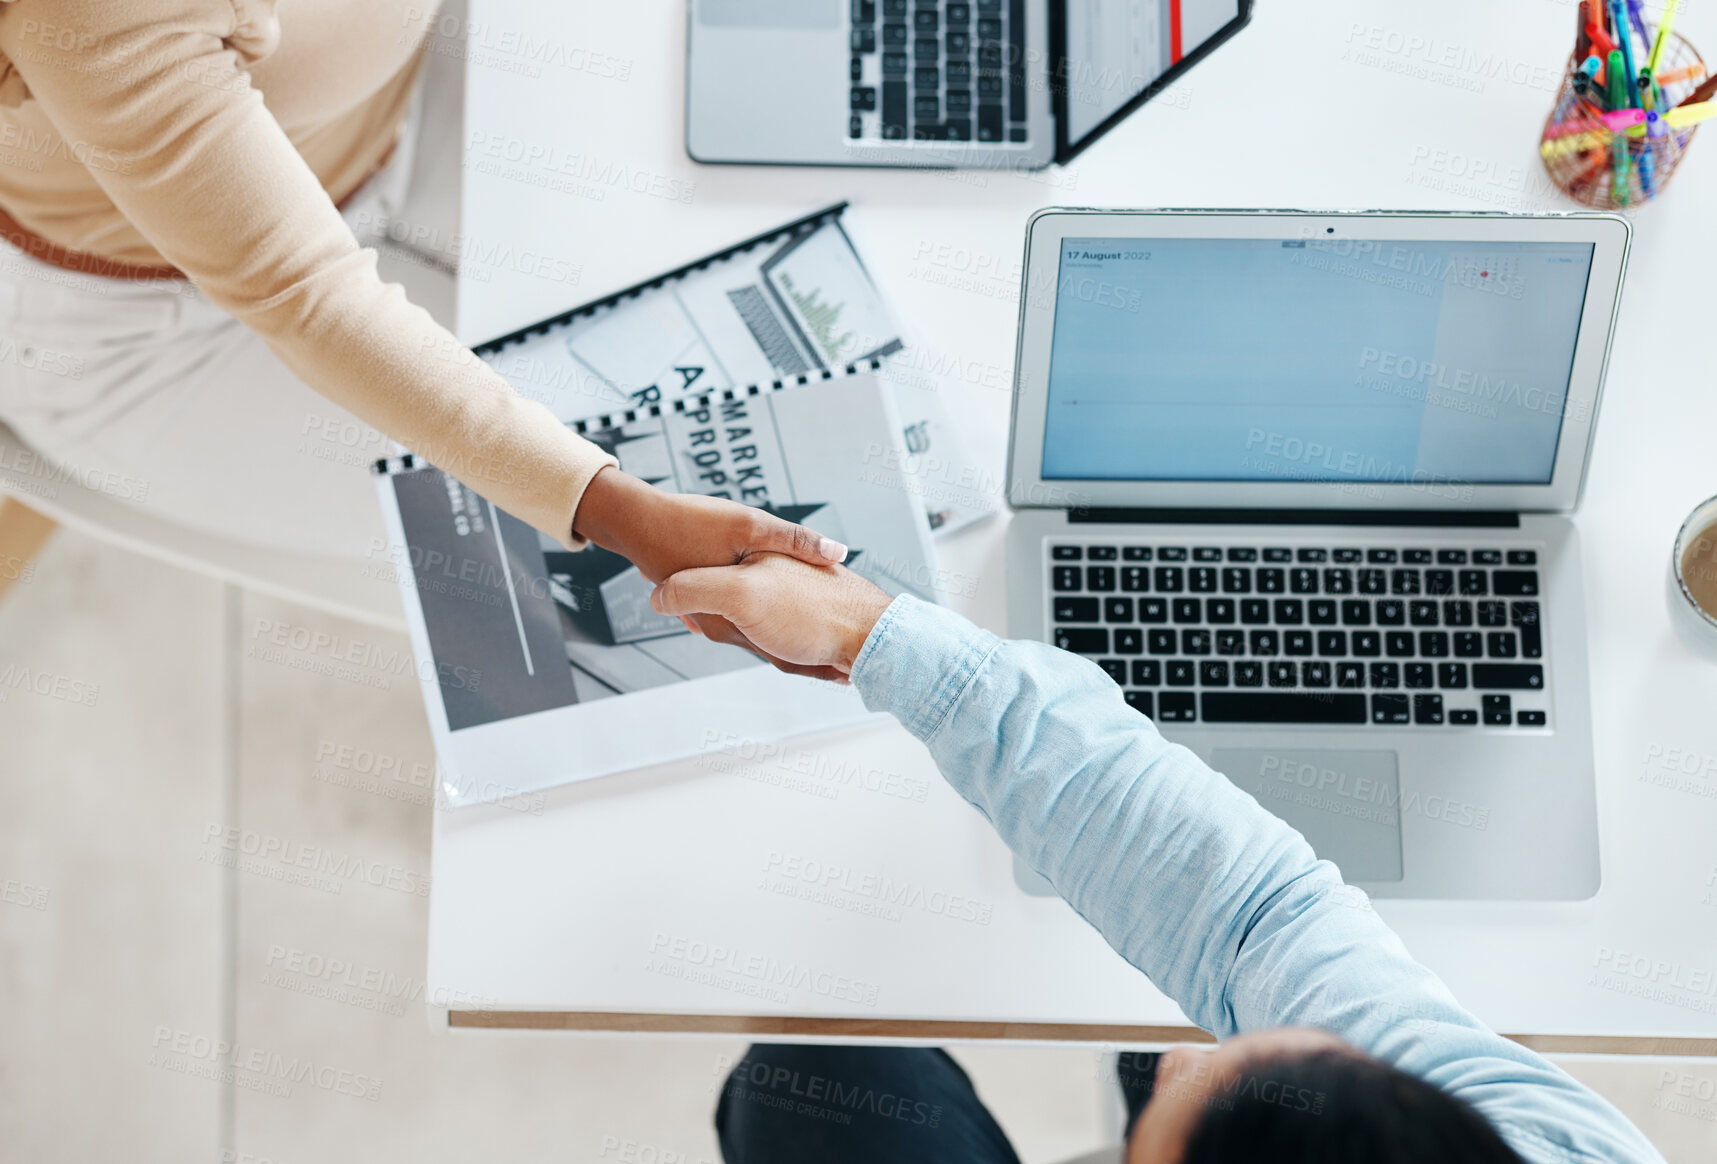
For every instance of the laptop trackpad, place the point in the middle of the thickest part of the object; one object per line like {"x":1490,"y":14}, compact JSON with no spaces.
{"x":1347,"y":804}
{"x":770,"y":13}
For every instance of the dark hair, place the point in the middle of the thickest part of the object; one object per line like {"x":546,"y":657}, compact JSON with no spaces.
{"x":1336,"y":1107}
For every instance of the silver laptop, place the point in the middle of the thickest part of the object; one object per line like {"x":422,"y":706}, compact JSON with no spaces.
{"x":1300,"y":483}
{"x":1002,"y":83}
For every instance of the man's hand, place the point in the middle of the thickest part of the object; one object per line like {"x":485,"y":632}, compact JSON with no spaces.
{"x":815,"y":617}
{"x":664,"y":533}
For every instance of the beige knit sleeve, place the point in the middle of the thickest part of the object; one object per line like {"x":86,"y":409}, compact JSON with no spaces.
{"x":215,"y":185}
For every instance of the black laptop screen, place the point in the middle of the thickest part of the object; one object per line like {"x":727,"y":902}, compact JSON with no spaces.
{"x":1114,"y":52}
{"x":1309,"y":360}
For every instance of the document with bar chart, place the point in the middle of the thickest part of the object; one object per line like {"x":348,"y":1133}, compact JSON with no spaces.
{"x":544,"y":666}
{"x":790,"y":307}
{"x":752,"y":375}
{"x":787,"y":308}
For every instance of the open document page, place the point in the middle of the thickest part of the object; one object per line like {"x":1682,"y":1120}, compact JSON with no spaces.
{"x":793,"y":308}
{"x":797,"y":306}
{"x":547,"y":666}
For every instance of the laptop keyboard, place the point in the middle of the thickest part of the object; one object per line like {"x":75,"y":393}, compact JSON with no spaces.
{"x":938,"y":70}
{"x":1237,"y":634}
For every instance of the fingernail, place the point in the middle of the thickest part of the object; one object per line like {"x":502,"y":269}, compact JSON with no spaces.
{"x":833,"y":550}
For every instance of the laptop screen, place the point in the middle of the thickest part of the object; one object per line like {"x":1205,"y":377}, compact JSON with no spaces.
{"x":1115,"y":48}
{"x":1311,"y":360}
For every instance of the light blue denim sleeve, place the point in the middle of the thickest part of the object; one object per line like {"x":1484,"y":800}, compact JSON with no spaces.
{"x":1221,"y":904}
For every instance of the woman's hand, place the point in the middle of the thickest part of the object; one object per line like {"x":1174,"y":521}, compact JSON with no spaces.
{"x":665,"y":533}
{"x":813,"y":617}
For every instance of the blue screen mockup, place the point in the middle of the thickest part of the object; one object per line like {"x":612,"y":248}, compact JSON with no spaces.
{"x":1311,"y":359}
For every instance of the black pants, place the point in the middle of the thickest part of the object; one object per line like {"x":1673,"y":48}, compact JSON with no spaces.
{"x":787,"y":1103}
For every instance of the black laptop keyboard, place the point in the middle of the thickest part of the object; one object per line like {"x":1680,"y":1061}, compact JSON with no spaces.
{"x":1330,"y":635}
{"x":938,"y":70}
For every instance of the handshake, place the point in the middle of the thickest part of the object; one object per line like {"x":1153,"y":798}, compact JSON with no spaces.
{"x":737,"y":575}
{"x":806,"y":619}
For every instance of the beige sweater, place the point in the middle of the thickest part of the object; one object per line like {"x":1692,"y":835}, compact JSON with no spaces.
{"x":215,"y":136}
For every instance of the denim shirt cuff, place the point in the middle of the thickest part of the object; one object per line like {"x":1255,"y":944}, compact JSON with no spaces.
{"x":918,"y":661}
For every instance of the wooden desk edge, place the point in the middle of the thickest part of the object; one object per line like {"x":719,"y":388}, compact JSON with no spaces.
{"x":764,"y":1026}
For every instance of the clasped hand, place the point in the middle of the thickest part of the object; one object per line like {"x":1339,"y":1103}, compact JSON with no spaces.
{"x":734,"y":574}
{"x":812,"y":619}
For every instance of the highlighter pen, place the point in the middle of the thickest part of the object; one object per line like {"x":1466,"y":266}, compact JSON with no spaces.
{"x":1659,"y":124}
{"x":1601,"y":42}
{"x":1614,"y":122}
{"x":1683,"y":116}
{"x":1625,"y":45}
{"x":1618,"y":81}
{"x":1663,"y":29}
{"x":1587,"y":90}
{"x":1619,"y":146}
{"x":1591,"y":71}
{"x":1638,"y":22}
{"x":1677,"y":76}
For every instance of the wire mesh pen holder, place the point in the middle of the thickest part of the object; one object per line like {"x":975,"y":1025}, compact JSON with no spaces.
{"x":1606,"y":168}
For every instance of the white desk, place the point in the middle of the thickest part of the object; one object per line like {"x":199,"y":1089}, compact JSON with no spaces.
{"x":608,"y":906}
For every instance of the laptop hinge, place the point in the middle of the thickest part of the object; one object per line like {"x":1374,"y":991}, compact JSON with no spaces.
{"x":1483,"y":518}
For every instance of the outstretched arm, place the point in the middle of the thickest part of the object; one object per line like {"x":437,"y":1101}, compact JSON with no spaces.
{"x":1222,"y":904}
{"x":208,"y":176}
{"x":215,"y":186}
